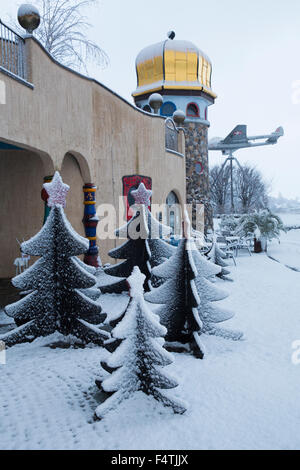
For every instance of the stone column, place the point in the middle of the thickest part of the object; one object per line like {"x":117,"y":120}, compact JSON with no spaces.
{"x":44,"y":196}
{"x":90,"y":222}
{"x":197,"y":171}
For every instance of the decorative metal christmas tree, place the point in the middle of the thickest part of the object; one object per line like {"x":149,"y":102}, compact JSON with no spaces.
{"x":144,"y":247}
{"x":136,"y":365}
{"x":60,"y":286}
{"x":217,"y":256}
{"x":179,"y":298}
{"x":187,"y":297}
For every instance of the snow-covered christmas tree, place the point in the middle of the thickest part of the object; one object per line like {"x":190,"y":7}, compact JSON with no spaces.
{"x":144,"y":247}
{"x":187,"y":296}
{"x":179,"y":298}
{"x":61,"y":287}
{"x":217,"y":256}
{"x":137,"y":363}
{"x":209,"y":293}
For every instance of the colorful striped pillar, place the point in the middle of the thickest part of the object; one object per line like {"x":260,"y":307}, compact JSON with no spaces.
{"x":44,"y":196}
{"x":90,"y":222}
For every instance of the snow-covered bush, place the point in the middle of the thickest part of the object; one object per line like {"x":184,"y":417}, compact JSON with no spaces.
{"x":229,"y":222}
{"x":263,"y":225}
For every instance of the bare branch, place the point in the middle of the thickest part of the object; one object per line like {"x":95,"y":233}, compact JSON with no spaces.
{"x":63,"y":32}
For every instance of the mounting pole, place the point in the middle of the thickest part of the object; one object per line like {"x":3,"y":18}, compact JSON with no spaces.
{"x":231,"y":181}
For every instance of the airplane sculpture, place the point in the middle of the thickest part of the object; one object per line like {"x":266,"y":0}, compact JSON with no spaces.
{"x":236,"y":140}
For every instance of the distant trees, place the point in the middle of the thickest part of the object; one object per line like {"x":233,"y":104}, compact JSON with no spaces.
{"x":219,"y":184}
{"x":63,"y":33}
{"x":250,"y":189}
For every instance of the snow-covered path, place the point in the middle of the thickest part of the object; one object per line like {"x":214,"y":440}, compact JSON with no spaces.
{"x":243,"y":395}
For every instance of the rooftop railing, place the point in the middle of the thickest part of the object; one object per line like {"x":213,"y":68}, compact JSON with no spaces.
{"x":12,"y":52}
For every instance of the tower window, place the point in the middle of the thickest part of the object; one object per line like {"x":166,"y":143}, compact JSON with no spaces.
{"x":168,"y":109}
{"x":147,"y":108}
{"x":192,"y":110}
{"x":199,"y":168}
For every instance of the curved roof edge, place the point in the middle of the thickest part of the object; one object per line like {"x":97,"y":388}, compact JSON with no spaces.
{"x":91,"y":79}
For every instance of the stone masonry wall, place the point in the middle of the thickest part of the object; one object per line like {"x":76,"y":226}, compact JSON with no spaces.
{"x":197,"y":185}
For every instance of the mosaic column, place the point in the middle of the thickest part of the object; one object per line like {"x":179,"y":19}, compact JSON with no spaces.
{"x":90,"y":222}
{"x":197,"y":171}
{"x":44,"y":196}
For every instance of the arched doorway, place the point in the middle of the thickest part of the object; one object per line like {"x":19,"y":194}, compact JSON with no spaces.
{"x":21,"y":209}
{"x":72,"y":175}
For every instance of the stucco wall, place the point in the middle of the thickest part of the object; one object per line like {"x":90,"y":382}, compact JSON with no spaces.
{"x":21,"y":176}
{"x":67,"y":113}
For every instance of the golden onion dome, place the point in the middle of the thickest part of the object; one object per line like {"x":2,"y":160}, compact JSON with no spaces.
{"x":173,"y":65}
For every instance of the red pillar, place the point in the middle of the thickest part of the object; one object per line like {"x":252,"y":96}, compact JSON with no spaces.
{"x":44,"y":196}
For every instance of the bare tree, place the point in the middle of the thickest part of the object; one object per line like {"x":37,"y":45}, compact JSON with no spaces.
{"x":219,"y":186}
{"x":63,"y":31}
{"x":250,"y":189}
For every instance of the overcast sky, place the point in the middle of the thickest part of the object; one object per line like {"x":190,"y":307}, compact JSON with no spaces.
{"x":254,"y":47}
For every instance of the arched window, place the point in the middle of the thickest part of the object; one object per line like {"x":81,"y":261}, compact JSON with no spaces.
{"x":147,"y":108}
{"x":192,"y":110}
{"x":172,"y":199}
{"x":167,"y":109}
{"x":199,"y":168}
{"x":173,"y":213}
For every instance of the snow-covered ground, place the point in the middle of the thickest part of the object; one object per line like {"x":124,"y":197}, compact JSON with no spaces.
{"x":287,"y":251}
{"x":243,"y":395}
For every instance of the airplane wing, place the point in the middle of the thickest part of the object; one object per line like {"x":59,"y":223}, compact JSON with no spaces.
{"x":238,"y":135}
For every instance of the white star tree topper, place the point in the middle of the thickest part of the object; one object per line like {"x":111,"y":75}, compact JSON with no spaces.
{"x":142,"y":195}
{"x":57,"y":191}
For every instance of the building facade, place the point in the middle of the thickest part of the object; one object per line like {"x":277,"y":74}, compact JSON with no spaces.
{"x":52,"y":119}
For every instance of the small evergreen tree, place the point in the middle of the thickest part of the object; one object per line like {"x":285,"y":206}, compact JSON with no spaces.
{"x":136,"y":364}
{"x":217,"y":256}
{"x":61,"y":286}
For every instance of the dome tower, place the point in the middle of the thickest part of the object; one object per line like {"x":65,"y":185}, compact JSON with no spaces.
{"x":181,"y":73}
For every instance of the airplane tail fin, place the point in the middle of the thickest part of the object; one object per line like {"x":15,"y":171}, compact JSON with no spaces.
{"x":275,"y":135}
{"x":238,"y":134}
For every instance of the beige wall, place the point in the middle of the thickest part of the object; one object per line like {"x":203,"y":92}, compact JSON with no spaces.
{"x":21,"y":177}
{"x":108,"y":138}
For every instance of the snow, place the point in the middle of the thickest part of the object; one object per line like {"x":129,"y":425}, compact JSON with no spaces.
{"x":114,"y":305}
{"x":288,"y":251}
{"x":243,"y":395}
{"x":27,"y":9}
